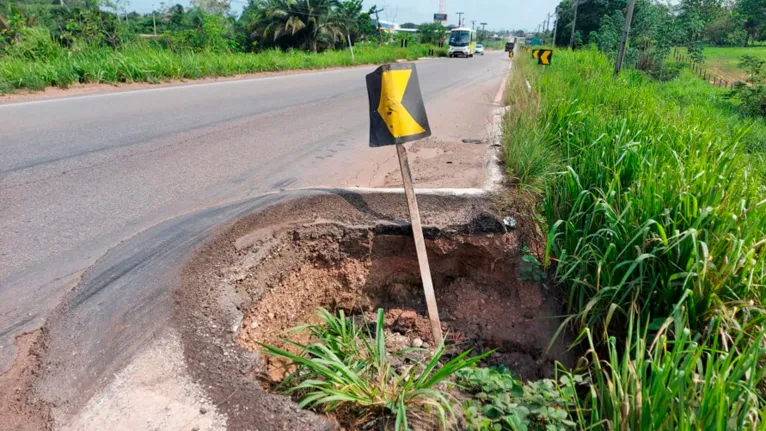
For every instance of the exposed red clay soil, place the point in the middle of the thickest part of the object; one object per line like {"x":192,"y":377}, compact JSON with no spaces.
{"x":20,"y":410}
{"x":482,"y":303}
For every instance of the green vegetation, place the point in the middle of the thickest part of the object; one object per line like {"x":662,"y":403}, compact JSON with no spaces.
{"x":43,"y":44}
{"x":751,"y":94}
{"x":657,"y":26}
{"x":675,"y":379}
{"x":347,"y":371}
{"x":502,"y":402}
{"x":498,"y":45}
{"x":531,"y":268}
{"x":142,"y":62}
{"x":653,"y":196}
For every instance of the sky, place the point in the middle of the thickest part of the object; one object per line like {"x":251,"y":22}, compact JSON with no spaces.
{"x":498,"y":14}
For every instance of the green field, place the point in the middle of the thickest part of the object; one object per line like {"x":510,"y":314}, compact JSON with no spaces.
{"x":722,"y":61}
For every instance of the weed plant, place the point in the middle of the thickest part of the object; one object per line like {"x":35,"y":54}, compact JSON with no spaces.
{"x":346,"y":370}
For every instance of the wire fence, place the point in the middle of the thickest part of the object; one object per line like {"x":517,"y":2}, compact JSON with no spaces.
{"x":699,"y":69}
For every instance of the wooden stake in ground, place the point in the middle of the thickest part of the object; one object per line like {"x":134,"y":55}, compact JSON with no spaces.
{"x":420,"y":244}
{"x":398,"y":115}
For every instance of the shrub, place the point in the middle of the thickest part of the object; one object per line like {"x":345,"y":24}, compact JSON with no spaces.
{"x":751,"y":95}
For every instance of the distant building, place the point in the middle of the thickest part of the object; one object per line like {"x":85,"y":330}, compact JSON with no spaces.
{"x":392,"y":27}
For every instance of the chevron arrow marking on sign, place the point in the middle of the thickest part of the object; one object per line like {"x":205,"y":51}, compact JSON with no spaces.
{"x":545,"y":57}
{"x":535,"y":53}
{"x":390,"y":108}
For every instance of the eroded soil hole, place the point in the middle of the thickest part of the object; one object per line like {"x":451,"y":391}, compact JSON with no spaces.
{"x":482,"y":303}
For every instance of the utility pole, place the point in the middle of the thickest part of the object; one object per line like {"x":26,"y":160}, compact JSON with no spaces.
{"x":351,"y":47}
{"x":624,"y":41}
{"x":483,"y":30}
{"x":555,"y":27}
{"x":574,"y":22}
{"x":154,"y":21}
{"x":377,"y":21}
{"x":460,"y":19}
{"x":473,"y":24}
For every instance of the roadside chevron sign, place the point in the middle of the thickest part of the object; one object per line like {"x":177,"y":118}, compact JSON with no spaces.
{"x":535,"y":53}
{"x":397,"y":112}
{"x":544,"y":57}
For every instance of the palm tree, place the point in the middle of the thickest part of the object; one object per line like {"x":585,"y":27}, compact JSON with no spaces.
{"x":347,"y":15}
{"x":310,"y":21}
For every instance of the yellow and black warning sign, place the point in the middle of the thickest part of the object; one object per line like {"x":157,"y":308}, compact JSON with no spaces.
{"x":510,"y":54}
{"x":544,"y":57}
{"x":535,"y":53}
{"x":397,"y":112}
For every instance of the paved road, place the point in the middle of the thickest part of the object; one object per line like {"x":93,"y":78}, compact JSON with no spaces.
{"x":79,"y":175}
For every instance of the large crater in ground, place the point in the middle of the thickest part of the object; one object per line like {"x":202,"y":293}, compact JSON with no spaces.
{"x":272,"y":271}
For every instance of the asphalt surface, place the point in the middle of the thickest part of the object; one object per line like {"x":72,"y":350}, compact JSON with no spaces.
{"x":80,"y":175}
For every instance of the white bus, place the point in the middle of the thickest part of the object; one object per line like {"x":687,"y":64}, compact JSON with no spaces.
{"x":462,"y":42}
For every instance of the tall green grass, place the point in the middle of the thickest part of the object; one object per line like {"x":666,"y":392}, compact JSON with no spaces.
{"x":653,"y":194}
{"x":674,"y":379}
{"x":654,"y":197}
{"x":144,"y":62}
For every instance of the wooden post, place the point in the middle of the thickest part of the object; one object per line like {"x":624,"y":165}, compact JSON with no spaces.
{"x":420,"y":244}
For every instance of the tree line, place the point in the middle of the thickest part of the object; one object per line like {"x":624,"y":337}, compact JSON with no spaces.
{"x":656,"y":26}
{"x":206,"y":24}
{"x":312,"y":25}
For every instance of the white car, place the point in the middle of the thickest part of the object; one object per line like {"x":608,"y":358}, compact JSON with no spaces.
{"x":479,"y":49}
